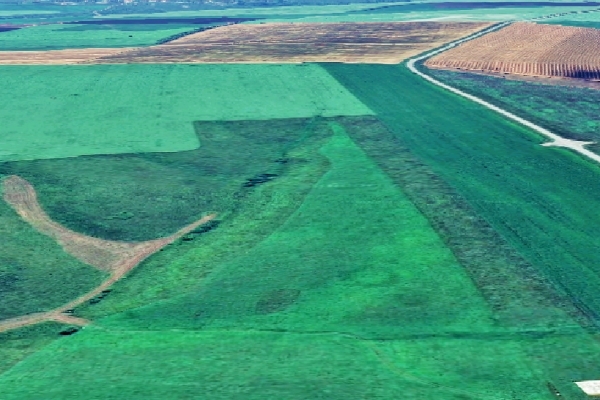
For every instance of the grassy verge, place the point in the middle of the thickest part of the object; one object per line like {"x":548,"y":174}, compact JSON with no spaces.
{"x":571,"y":112}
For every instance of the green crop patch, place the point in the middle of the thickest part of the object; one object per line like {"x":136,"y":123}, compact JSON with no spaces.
{"x":35,"y":273}
{"x":57,"y":37}
{"x":116,"y":109}
{"x":542,"y":201}
{"x":356,"y":256}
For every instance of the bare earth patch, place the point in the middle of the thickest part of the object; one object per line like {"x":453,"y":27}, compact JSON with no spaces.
{"x":350,"y":42}
{"x":117,"y":258}
{"x":58,"y":57}
{"x":528,"y":49}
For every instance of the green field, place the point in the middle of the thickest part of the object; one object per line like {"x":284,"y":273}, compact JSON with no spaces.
{"x":431,"y":12}
{"x":117,"y":109}
{"x":355,"y":236}
{"x":354,"y":294}
{"x":571,"y":112}
{"x":541,"y":200}
{"x":56,"y":37}
{"x":258,"y":11}
{"x":376,"y":236}
{"x":100,"y":364}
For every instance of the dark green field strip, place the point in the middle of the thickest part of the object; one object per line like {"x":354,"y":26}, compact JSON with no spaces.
{"x":571,"y":112}
{"x":35,"y":273}
{"x":356,"y":256}
{"x":518,"y":294}
{"x":543,"y":201}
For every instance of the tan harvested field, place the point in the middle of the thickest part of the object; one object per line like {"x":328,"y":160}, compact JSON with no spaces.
{"x":528,"y":49}
{"x":58,"y":57}
{"x":117,"y":258}
{"x":361,"y":42}
{"x":389,"y":42}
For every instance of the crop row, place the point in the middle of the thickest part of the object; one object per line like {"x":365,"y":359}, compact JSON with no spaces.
{"x":529,"y":49}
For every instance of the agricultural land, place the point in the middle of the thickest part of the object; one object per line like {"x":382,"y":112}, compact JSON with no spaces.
{"x":274,"y":43}
{"x":529,"y":49}
{"x":295,"y":203}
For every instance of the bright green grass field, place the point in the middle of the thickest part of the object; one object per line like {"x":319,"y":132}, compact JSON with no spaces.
{"x":115,"y":109}
{"x":100,"y":364}
{"x":543,"y":201}
{"x":348,"y":258}
{"x":56,"y":37}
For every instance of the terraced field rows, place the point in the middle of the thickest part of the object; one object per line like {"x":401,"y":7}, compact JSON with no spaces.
{"x":529,"y":49}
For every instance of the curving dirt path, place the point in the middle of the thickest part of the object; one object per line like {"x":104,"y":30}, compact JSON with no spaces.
{"x":556,"y":140}
{"x":117,"y":258}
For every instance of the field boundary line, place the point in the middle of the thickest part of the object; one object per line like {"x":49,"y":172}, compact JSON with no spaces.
{"x":556,"y":140}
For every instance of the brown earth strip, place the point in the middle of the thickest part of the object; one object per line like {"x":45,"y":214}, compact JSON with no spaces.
{"x":58,"y":57}
{"x":117,"y":258}
{"x":528,"y":49}
{"x":350,"y":42}
{"x":357,"y":42}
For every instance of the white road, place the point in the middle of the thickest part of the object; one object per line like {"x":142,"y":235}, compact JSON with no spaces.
{"x":556,"y":140}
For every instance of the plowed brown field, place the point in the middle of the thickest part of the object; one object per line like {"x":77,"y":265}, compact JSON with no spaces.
{"x":368,"y":42}
{"x":529,"y":49}
{"x":361,"y":42}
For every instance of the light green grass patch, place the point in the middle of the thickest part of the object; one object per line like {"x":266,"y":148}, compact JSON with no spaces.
{"x":258,"y":11}
{"x":55,"y":37}
{"x":496,"y":14}
{"x":66,"y":111}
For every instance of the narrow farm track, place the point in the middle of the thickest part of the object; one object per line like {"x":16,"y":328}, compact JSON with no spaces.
{"x":117,"y":258}
{"x":556,"y":140}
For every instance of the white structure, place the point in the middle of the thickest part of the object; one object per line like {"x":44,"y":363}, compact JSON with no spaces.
{"x":591,"y":388}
